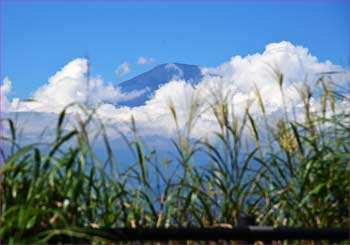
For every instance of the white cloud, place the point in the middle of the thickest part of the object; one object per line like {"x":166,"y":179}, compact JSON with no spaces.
{"x":123,"y":69}
{"x":5,"y":89}
{"x":236,"y":78}
{"x":178,"y":72}
{"x":145,"y":60}
{"x":68,"y":85}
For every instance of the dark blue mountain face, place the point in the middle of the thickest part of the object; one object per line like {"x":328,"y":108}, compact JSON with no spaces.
{"x":161,"y":74}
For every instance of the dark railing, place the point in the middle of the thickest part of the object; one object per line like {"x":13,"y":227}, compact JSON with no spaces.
{"x":247,"y":234}
{"x":254,"y":233}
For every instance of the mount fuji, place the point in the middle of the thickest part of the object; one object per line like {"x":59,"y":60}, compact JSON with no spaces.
{"x":150,"y":81}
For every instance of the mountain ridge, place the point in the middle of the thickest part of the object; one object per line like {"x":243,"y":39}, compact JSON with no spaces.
{"x":150,"y":81}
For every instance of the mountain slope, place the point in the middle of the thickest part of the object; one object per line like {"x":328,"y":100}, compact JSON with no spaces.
{"x":161,"y":74}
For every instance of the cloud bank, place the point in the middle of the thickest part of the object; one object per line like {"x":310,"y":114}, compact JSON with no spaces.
{"x":236,"y":79}
{"x":68,"y":85}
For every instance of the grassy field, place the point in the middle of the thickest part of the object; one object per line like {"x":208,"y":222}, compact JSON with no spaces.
{"x":296,"y":173}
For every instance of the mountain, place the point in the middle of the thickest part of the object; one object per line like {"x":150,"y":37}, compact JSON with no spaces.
{"x":151,"y":80}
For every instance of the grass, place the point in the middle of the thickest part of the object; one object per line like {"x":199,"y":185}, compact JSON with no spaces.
{"x":295,"y":173}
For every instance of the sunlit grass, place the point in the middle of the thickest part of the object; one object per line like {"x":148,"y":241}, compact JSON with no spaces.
{"x":285,"y":172}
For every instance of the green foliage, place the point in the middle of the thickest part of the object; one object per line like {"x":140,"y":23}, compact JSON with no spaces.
{"x":295,"y":174}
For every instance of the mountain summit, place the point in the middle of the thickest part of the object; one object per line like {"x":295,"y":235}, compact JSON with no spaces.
{"x":151,"y":80}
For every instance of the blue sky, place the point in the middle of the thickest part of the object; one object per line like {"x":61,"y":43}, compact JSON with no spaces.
{"x":39,"y":38}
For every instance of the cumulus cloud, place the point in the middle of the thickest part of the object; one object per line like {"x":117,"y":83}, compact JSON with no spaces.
{"x":242,"y":74}
{"x":145,"y":60}
{"x":236,"y":80}
{"x":68,"y":85}
{"x":123,"y":69}
{"x":5,"y":89}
